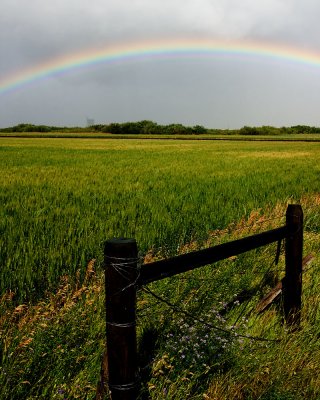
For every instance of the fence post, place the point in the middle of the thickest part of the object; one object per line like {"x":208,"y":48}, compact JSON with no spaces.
{"x":121,"y":273}
{"x":293,"y":279}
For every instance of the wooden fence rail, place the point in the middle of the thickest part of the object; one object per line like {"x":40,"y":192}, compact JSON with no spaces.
{"x":123,"y":277}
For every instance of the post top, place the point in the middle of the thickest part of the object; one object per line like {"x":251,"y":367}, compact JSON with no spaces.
{"x":120,"y":241}
{"x":119,"y":246}
{"x":295,"y":210}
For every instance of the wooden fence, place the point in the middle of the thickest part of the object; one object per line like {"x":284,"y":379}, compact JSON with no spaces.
{"x":123,"y":277}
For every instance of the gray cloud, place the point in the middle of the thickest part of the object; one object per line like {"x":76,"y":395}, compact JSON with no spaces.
{"x":217,"y":92}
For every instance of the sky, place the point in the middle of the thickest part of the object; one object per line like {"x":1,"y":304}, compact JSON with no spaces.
{"x":217,"y":63}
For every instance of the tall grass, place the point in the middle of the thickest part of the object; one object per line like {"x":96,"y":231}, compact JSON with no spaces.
{"x":53,"y":348}
{"x":62,"y":198}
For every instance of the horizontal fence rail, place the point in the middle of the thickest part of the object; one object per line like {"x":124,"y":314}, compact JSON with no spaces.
{"x":123,"y":277}
{"x":185,"y":262}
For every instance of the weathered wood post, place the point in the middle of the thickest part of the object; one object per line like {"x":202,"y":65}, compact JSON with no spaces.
{"x":121,"y":273}
{"x":292,"y":288}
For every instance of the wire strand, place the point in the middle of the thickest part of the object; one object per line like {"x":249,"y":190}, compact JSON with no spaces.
{"x":206,"y":323}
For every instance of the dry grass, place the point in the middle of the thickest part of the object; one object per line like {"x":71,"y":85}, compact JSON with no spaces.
{"x":287,"y":368}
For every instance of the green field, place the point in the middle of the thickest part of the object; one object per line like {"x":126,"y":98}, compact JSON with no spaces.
{"x":62,"y":198}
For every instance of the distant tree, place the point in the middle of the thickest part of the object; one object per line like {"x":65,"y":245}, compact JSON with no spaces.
{"x":268,"y":130}
{"x":114,"y":128}
{"x":305,"y":129}
{"x":148,"y":127}
{"x":199,"y":130}
{"x":177,"y":129}
{"x":247,"y":130}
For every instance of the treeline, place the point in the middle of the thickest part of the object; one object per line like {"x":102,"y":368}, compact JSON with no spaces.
{"x":149,"y":128}
{"x":152,"y":128}
{"x":41,"y":128}
{"x":270,"y":130}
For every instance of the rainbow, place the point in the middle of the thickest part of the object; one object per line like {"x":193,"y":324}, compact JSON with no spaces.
{"x":155,"y":48}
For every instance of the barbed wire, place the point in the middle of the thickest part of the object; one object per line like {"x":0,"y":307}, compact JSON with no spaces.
{"x":202,"y":321}
{"x":259,"y":286}
{"x":274,"y":262}
{"x":121,"y":266}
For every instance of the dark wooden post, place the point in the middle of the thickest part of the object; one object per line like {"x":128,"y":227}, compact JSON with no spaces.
{"x":293,"y":280}
{"x":121,"y":273}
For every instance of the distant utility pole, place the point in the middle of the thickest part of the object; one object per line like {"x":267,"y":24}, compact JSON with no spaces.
{"x":90,"y":122}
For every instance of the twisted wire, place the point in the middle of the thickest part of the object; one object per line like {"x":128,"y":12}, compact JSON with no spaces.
{"x":206,"y":323}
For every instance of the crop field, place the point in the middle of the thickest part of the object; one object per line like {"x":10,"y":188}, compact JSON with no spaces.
{"x":62,"y":198}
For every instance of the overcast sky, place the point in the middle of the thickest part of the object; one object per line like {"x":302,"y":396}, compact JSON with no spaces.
{"x":215,"y":91}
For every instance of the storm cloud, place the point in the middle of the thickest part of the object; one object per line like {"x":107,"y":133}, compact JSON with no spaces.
{"x":218,"y":92}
